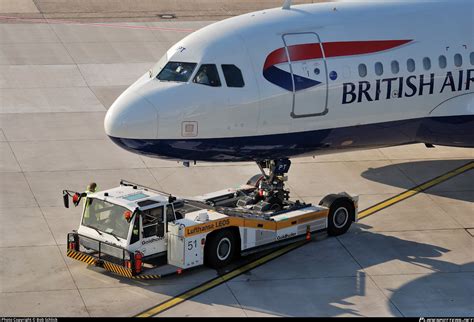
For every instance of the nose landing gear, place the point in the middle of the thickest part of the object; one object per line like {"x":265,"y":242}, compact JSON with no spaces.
{"x":270,"y":193}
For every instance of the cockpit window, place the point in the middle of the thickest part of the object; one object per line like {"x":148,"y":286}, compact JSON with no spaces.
{"x":176,"y":72}
{"x":159,"y":66}
{"x":233,"y":76}
{"x":208,"y":75}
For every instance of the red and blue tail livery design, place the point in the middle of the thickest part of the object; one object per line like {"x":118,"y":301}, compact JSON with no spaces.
{"x":277,"y":61}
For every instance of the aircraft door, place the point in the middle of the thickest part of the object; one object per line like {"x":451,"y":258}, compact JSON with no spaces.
{"x":309,"y":74}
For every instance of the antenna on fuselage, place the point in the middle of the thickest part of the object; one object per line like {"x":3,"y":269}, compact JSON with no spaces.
{"x":286,"y":5}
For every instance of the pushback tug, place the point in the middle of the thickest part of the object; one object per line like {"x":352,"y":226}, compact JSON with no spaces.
{"x":140,"y":232}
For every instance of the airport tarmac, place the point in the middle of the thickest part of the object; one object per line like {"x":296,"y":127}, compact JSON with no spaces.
{"x":57,"y":79}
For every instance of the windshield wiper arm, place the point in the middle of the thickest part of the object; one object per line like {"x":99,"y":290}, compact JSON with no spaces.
{"x":97,"y":230}
{"x":100,"y":233}
{"x":114,"y":236}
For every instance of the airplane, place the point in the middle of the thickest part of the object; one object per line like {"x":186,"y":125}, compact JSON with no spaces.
{"x":305,"y":80}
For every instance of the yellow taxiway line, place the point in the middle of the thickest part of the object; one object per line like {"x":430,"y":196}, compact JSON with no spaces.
{"x":230,"y":275}
{"x":413,"y":191}
{"x":218,"y":280}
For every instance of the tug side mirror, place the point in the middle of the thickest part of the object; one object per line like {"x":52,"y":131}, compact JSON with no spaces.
{"x":76,"y":198}
{"x":66,"y":199}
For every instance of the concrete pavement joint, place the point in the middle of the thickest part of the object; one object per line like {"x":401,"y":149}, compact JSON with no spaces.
{"x":166,"y":305}
{"x":368,"y":275}
{"x":49,"y":227}
{"x":416,"y":190}
{"x":49,"y":21}
{"x":76,"y":64}
{"x":448,"y":213}
{"x":236,"y":299}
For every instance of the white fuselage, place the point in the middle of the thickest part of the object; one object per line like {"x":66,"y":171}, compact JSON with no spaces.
{"x":318,"y":78}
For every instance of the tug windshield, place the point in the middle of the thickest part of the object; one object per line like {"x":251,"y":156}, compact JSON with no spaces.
{"x":106,"y":217}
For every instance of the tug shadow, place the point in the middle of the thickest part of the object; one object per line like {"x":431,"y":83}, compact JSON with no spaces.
{"x":344,"y":292}
{"x":322,"y":278}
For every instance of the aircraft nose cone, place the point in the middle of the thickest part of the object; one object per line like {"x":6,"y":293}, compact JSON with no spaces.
{"x":131,"y":116}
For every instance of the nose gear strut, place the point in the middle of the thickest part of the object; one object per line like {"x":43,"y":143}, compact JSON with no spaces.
{"x":270,"y":193}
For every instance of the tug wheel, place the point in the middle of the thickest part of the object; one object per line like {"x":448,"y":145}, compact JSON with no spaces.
{"x":220,"y":249}
{"x":275,"y":204}
{"x":341,"y":214}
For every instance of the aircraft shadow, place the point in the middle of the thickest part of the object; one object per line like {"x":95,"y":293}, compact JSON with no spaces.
{"x":420,"y":172}
{"x":383,"y":249}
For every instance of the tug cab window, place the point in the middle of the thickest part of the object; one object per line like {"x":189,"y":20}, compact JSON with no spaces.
{"x":105,"y":216}
{"x":170,"y":216}
{"x":152,"y":222}
{"x":135,"y":231}
{"x":207,"y":75}
{"x":233,"y":76}
{"x":176,"y":72}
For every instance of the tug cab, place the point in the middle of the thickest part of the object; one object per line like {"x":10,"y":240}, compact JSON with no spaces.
{"x":119,"y":224}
